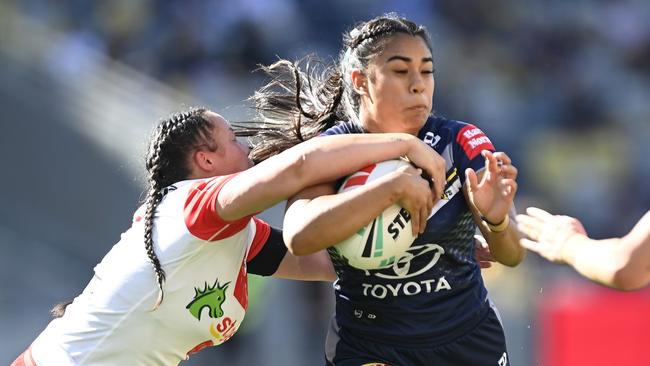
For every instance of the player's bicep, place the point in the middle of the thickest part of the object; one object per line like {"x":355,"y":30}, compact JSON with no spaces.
{"x":249,"y":192}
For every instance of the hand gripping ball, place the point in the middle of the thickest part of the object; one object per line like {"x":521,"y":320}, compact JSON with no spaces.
{"x":384,"y":240}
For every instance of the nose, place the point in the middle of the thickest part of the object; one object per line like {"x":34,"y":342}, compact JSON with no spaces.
{"x":417,"y":84}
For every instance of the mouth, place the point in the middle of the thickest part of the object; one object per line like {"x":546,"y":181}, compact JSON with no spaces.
{"x":418,"y":108}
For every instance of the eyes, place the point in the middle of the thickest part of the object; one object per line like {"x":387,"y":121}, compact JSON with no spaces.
{"x":406,"y":71}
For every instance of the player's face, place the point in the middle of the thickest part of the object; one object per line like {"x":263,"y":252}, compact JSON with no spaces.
{"x":400,"y":87}
{"x":231,"y":154}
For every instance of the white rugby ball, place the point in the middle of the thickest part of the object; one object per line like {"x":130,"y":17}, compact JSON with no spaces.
{"x":386,"y":238}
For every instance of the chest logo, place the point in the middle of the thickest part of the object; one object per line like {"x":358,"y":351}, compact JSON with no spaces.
{"x":211,"y":297}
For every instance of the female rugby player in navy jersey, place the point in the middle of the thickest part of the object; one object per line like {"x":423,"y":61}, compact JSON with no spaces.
{"x":431,"y":307}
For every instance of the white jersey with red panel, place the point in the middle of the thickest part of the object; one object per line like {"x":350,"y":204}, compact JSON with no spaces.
{"x":206,"y":297}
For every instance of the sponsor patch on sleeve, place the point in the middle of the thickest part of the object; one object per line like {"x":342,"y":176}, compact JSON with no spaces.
{"x":473,"y":141}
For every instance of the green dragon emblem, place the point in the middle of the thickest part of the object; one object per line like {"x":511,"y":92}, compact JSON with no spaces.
{"x":211,"y":297}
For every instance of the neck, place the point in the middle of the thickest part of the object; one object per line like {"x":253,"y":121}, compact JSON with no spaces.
{"x":373,"y":126}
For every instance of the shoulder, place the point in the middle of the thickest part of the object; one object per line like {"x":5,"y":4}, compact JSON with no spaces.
{"x":441,"y":124}
{"x":343,"y":128}
{"x":456,"y":133}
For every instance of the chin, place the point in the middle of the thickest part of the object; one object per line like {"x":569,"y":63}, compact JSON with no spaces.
{"x":415,"y":125}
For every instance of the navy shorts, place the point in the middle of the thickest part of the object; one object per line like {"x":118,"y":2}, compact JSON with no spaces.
{"x":484,"y":345}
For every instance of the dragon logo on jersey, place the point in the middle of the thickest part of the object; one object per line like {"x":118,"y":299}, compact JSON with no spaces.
{"x":211,"y":297}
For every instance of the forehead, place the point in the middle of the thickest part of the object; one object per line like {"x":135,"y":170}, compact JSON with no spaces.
{"x":402,"y":44}
{"x":217,"y":120}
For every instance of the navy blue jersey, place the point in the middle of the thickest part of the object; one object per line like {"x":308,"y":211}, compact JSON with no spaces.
{"x":436,"y":289}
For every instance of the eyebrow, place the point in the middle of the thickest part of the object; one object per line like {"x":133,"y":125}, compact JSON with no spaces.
{"x":407,"y":59}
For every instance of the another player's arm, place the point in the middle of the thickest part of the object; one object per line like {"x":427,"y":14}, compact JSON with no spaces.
{"x":313,"y":267}
{"x":317,"y":217}
{"x":621,"y":263}
{"x":273,"y":259}
{"x":311,"y":163}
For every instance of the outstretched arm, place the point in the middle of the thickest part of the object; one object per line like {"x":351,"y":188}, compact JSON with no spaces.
{"x":621,"y":263}
{"x":490,"y":195}
{"x":316,"y":161}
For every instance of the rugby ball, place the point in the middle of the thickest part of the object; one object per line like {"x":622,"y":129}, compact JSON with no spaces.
{"x":386,"y":239}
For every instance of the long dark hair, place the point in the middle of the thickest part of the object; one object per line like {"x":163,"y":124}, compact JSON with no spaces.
{"x":305,"y":97}
{"x":172,"y":142}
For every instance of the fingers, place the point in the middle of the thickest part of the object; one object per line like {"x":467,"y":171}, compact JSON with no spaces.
{"x":415,"y":222}
{"x":479,"y":241}
{"x":509,"y":188}
{"x":508,"y":171}
{"x":482,"y":252}
{"x":436,"y":177}
{"x":503,"y":157}
{"x":424,"y":216}
{"x":529,"y":226}
{"x":538,"y":213}
{"x":491,"y":163}
{"x":531,"y":245}
{"x":438,"y":184}
{"x":484,"y":264}
{"x":471,"y":179}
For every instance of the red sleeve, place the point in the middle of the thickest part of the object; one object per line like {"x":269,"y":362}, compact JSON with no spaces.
{"x":262,"y":232}
{"x":473,"y":141}
{"x":201,"y":216}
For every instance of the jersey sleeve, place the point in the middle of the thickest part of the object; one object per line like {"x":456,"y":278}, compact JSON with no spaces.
{"x":470,"y":141}
{"x":200,"y":211}
{"x":267,"y":251}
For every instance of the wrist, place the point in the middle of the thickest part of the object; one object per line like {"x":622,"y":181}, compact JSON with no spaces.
{"x":498,"y":226}
{"x":571,"y":246}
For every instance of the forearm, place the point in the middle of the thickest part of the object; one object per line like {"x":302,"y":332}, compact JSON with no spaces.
{"x":314,"y":224}
{"x":313,"y":267}
{"x":504,"y":245}
{"x":328,"y":158}
{"x":313,"y":162}
{"x":598,"y":260}
{"x":621,"y":263}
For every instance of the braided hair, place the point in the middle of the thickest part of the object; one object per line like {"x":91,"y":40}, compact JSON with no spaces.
{"x":306,"y":97}
{"x":172,"y":142}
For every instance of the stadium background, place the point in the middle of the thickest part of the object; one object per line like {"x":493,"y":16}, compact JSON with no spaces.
{"x":562,"y":86}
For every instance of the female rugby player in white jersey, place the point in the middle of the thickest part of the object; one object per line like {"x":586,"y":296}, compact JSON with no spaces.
{"x":176,"y":281}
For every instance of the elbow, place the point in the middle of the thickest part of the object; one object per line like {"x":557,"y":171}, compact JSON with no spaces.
{"x":298,"y":245}
{"x":625,"y":279}
{"x":514,"y":259}
{"x":512,"y":262}
{"x":628,"y":271}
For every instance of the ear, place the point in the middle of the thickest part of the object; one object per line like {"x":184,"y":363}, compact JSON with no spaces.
{"x":203,"y":161}
{"x":359,"y":82}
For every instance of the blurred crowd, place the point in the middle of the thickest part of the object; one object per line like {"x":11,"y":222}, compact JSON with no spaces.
{"x":563,"y":86}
